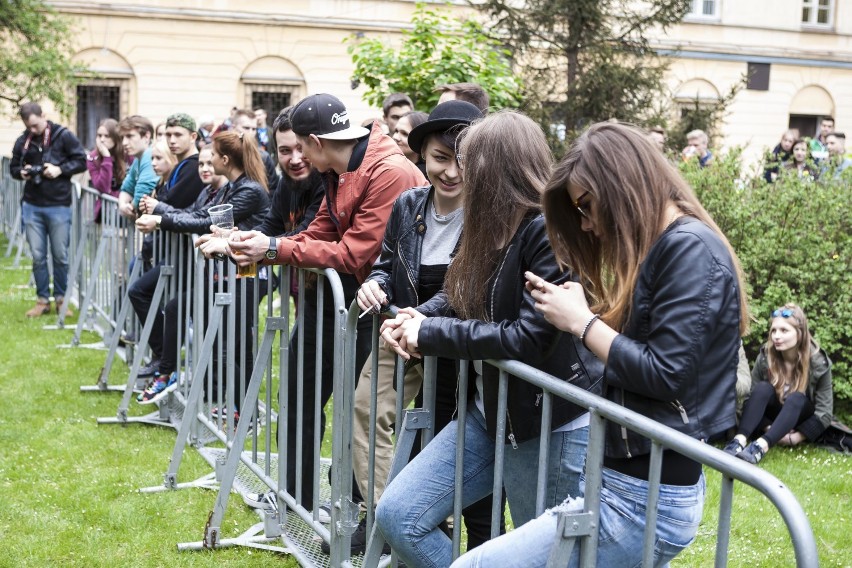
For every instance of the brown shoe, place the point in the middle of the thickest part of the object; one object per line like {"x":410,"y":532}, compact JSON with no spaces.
{"x":68,"y":312}
{"x":41,"y":308}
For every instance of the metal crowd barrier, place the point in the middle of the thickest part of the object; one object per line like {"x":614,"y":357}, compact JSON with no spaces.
{"x":580,"y":527}
{"x":211,"y":309}
{"x":11,"y":194}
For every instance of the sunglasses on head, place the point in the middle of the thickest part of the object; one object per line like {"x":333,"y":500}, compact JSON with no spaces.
{"x":782,"y":313}
{"x":582,"y":209}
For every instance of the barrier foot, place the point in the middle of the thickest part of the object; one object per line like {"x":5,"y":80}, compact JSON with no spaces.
{"x":98,"y":346}
{"x":100,"y":388}
{"x":253,"y":538}
{"x":204,"y":482}
{"x":152,"y":419}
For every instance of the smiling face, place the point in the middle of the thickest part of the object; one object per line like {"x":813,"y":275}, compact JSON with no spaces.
{"x":445,"y":175}
{"x":783,"y":335}
{"x":291,"y":158}
{"x":104,"y":138}
{"x":403,"y":128}
{"x":205,"y":166}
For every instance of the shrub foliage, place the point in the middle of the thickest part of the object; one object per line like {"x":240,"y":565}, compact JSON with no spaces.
{"x":794,"y":240}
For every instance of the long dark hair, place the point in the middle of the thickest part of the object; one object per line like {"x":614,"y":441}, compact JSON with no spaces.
{"x":632,"y":184}
{"x":506,"y":166}
{"x":119,"y":162}
{"x":243,"y":152}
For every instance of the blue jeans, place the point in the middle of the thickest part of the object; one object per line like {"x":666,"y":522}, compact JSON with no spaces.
{"x":42,"y":224}
{"x":421,"y":496}
{"x":622,"y":522}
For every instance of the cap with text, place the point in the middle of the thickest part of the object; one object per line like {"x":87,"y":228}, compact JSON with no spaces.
{"x":325,"y":116}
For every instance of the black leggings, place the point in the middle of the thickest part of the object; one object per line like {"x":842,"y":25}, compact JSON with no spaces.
{"x":763,"y":407}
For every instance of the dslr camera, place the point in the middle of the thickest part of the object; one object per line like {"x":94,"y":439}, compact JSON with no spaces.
{"x":35,"y":173}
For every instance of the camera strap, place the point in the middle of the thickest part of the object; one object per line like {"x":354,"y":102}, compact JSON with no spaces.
{"x":44,"y":145}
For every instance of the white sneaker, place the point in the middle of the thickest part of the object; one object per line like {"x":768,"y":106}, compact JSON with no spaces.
{"x":324,"y":513}
{"x":267,"y":501}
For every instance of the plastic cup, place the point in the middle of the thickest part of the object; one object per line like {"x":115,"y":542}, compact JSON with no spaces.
{"x":222,"y":217}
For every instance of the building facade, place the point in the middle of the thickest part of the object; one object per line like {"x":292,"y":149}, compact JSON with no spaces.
{"x":207,"y":56}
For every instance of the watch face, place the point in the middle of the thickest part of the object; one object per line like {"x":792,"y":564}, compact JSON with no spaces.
{"x":271,"y":254}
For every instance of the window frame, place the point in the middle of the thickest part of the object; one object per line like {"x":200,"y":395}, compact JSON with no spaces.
{"x":696,"y":14}
{"x":814,"y":7}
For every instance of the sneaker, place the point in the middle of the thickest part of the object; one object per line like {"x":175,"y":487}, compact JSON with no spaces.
{"x":215,"y":414}
{"x":267,"y":501}
{"x":40,"y":309}
{"x":324,"y":513}
{"x":159,"y":389}
{"x":127,"y":339}
{"x":150,"y":369}
{"x":734,"y":447}
{"x":358,"y":541}
{"x":753,"y":453}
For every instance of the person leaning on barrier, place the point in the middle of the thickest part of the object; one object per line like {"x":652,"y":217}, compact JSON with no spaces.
{"x":364,"y":172}
{"x":136,"y":133}
{"x":667,"y":319}
{"x":484,"y":312}
{"x":791,"y":390}
{"x":45,"y":156}
{"x":236,"y":157}
{"x":106,"y":163}
{"x":422,"y":235}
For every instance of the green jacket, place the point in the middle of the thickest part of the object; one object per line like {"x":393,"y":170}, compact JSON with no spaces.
{"x":819,"y":390}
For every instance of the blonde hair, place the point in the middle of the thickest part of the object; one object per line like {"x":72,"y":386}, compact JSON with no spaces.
{"x":162,"y":148}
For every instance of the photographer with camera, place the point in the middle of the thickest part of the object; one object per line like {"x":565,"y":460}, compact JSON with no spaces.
{"x":45,"y":156}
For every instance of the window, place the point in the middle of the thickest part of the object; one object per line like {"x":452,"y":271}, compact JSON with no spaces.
{"x":272,"y":101}
{"x":758,"y":76}
{"x":817,"y":13}
{"x":704,"y":10}
{"x":96,"y":102}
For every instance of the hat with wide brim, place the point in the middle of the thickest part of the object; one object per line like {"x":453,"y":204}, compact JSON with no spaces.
{"x":443,"y":117}
{"x":325,"y":116}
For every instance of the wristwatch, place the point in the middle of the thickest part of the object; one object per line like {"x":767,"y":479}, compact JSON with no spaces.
{"x":272,"y":251}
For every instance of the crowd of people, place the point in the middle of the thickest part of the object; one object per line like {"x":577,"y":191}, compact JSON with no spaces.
{"x":615,"y":280}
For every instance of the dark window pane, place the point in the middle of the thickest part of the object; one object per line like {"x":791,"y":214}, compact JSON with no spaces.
{"x":95,"y":103}
{"x":758,"y":76}
{"x":272,"y":103}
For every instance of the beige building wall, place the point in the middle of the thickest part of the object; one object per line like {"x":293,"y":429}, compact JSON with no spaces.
{"x":205,"y":56}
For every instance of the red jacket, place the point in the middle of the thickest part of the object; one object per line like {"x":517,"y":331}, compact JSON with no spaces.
{"x":362,"y":206}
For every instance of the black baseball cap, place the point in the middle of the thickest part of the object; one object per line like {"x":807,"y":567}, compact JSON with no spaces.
{"x":444,"y":116}
{"x":325,"y":116}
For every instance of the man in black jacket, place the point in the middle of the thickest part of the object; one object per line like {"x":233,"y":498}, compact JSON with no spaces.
{"x":46,"y":155}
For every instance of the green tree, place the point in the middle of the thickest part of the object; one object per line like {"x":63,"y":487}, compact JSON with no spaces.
{"x":438,"y":50}
{"x":589,"y":60}
{"x":35,"y":59}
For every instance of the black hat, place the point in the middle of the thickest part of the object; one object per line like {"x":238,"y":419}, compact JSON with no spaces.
{"x":444,"y":116}
{"x":326,"y":117}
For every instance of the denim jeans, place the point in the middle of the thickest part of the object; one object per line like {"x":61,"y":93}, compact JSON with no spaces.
{"x":421,"y":496}
{"x":622,"y":523}
{"x":42,"y":224}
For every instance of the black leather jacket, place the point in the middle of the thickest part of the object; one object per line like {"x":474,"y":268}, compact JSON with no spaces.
{"x":248,"y":197}
{"x":676,"y":358}
{"x":515,"y":331}
{"x":398,"y":269}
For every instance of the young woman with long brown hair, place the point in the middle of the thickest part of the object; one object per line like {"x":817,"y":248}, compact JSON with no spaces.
{"x":485,"y":313}
{"x":665,"y":312}
{"x":106,"y":162}
{"x":791,"y":389}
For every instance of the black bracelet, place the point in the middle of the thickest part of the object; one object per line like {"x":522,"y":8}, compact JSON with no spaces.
{"x":589,"y":323}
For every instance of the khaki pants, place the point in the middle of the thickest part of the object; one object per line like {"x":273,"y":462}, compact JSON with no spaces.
{"x":385,"y":418}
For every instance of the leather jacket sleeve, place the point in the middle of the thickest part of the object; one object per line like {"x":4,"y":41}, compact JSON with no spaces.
{"x":686,"y":293}
{"x":823,"y":397}
{"x":383,"y":268}
{"x":248,"y":200}
{"x":528,"y":336}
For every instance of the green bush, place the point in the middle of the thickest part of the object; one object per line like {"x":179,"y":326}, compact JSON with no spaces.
{"x":794,"y":241}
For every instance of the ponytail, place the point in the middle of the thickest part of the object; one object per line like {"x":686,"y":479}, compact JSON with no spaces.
{"x":243,"y":152}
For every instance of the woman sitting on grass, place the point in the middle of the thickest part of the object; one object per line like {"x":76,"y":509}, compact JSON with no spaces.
{"x":791,"y":389}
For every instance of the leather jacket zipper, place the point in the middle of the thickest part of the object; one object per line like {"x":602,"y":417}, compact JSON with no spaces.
{"x":511,"y":432}
{"x":624,"y":430}
{"x":681,"y":410}
{"x":511,"y":435}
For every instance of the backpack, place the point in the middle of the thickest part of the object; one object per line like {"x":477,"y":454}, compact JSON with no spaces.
{"x":837,"y":437}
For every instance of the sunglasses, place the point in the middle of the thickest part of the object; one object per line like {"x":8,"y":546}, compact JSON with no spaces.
{"x":583,"y":209}
{"x":785,"y":313}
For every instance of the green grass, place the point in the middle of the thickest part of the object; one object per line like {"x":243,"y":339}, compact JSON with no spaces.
{"x":68,"y":487}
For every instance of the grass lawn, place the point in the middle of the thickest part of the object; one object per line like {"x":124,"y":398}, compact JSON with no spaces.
{"x":68,"y":487}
